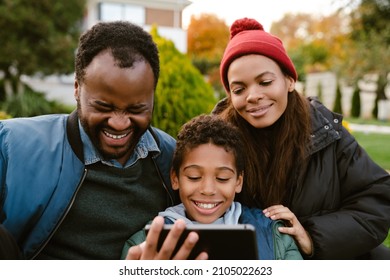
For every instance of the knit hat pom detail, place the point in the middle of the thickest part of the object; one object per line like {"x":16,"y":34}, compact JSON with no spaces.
{"x":244,"y":24}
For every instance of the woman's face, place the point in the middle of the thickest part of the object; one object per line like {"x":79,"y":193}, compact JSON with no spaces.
{"x":258,"y":89}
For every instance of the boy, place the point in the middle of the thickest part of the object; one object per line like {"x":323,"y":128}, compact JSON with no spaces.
{"x":208,"y":170}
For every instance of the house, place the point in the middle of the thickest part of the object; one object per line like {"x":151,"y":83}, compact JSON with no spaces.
{"x":166,"y":14}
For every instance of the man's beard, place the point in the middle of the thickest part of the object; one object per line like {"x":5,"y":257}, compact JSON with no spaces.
{"x":93,"y":134}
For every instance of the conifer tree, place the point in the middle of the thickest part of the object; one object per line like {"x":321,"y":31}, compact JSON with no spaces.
{"x":337,"y":108}
{"x":355,"y":109}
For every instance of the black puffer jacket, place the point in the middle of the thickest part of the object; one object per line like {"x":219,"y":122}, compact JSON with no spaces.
{"x":343,"y":200}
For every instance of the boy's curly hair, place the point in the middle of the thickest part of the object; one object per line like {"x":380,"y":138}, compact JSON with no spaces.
{"x":205,"y":129}
{"x":126,"y":41}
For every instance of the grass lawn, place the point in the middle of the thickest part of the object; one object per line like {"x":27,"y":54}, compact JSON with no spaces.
{"x":378,"y":147}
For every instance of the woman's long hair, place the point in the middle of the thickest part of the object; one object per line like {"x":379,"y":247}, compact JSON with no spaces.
{"x":275,"y":155}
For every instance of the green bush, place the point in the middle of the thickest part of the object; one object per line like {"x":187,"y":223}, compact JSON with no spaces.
{"x":182,"y":92}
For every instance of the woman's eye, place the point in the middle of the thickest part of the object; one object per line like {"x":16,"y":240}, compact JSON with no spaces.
{"x":237,"y":90}
{"x":266,"y":83}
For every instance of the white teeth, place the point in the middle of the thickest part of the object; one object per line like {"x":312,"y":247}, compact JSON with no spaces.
{"x":206,"y":205}
{"x":114,"y":136}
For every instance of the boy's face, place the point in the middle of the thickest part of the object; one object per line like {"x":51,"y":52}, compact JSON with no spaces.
{"x":207,"y":183}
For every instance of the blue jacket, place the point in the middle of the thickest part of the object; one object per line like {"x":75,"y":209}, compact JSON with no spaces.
{"x":41,"y":169}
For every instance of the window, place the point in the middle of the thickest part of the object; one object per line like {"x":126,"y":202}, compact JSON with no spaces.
{"x":121,"y":11}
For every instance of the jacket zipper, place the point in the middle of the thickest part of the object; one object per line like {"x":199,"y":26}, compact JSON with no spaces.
{"x":63,"y":216}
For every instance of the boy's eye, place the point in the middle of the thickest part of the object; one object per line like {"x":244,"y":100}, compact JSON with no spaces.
{"x":223,"y":179}
{"x":193,"y":178}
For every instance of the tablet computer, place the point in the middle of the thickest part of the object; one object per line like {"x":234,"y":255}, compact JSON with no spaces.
{"x":221,"y":242}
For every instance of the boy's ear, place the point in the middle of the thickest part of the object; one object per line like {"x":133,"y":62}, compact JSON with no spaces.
{"x":174,"y":180}
{"x":240,"y":181}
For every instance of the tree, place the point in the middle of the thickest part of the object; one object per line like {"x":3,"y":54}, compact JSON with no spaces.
{"x":207,"y":37}
{"x":356,"y":106}
{"x":371,"y":16}
{"x":37,"y":36}
{"x":370,"y":25}
{"x":313,"y":43}
{"x":294,"y":29}
{"x":380,"y":93}
{"x":182,"y":92}
{"x":337,"y":108}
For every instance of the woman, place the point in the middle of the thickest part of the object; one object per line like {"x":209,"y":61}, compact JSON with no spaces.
{"x":302,"y":165}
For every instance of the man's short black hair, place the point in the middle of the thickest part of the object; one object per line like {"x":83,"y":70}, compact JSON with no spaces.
{"x":126,"y":41}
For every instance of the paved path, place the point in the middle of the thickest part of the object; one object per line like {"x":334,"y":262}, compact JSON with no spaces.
{"x":369,"y":128}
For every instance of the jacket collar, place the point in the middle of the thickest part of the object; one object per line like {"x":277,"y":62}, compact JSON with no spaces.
{"x":326,"y":125}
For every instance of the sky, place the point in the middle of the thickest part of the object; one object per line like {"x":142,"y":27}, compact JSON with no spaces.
{"x":264,"y":11}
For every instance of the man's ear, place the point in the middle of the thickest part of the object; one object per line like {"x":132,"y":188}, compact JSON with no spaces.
{"x":174,"y":180}
{"x":76,"y":90}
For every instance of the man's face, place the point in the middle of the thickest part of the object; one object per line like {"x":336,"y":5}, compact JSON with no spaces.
{"x":115,"y":105}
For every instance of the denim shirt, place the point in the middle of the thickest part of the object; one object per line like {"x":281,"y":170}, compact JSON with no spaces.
{"x":145,"y":145}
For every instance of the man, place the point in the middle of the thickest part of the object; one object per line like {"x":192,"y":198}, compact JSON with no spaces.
{"x":77,"y":186}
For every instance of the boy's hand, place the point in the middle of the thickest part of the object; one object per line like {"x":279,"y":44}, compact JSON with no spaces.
{"x":148,"y":249}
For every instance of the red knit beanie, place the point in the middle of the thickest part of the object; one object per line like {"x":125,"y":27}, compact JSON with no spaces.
{"x":247,"y":36}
